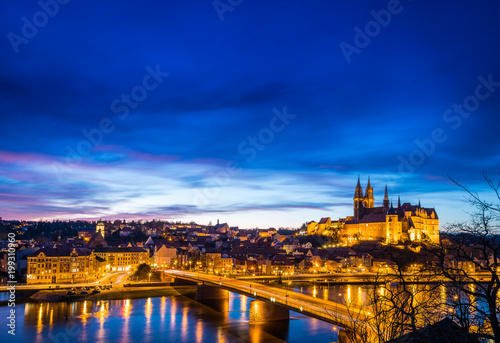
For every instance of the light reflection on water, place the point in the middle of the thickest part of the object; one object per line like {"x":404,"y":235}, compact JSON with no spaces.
{"x":161,"y":319}
{"x":359,"y":296}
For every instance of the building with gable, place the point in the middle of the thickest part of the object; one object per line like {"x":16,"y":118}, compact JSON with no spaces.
{"x":385,"y":223}
{"x":62,"y":264}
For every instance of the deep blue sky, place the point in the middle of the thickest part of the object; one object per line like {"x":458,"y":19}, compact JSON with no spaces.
{"x":226,"y":80}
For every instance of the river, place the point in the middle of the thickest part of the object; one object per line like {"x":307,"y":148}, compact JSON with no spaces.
{"x":160,"y":319}
{"x":173,"y":319}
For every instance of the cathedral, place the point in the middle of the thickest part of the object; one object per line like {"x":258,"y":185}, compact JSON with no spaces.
{"x":384,"y":223}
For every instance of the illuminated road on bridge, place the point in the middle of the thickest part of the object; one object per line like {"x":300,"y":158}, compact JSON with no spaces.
{"x":329,"y":311}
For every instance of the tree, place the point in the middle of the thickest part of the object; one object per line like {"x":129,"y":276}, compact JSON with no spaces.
{"x":469,"y":259}
{"x":396,"y":306}
{"x":143,"y":271}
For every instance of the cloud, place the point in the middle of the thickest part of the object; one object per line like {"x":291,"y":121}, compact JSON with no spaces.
{"x":225,"y":79}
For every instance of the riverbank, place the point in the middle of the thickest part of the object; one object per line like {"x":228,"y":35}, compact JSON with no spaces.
{"x":112,"y":294}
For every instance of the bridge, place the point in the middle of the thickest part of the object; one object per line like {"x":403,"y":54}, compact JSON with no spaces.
{"x":368,"y":278}
{"x":273,"y":303}
{"x":332,"y":278}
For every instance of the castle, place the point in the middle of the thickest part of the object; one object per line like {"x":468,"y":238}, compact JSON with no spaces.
{"x":384,"y":223}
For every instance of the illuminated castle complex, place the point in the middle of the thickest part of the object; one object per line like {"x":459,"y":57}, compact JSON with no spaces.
{"x":384,"y":223}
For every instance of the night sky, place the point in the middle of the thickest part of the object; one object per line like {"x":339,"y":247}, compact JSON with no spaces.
{"x":258,"y":113}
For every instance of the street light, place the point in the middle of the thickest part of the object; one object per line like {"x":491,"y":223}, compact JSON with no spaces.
{"x":286,"y":289}
{"x":149,"y":277}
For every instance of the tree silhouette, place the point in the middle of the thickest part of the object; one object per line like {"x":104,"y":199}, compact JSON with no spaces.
{"x":469,"y":260}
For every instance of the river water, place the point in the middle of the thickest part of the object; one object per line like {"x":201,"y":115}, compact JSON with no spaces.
{"x":172,"y":319}
{"x":159,"y":319}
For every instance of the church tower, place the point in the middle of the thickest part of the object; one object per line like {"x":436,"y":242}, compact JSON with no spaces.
{"x":358,"y":201}
{"x":386,"y":199}
{"x":369,"y":201}
{"x":100,"y":228}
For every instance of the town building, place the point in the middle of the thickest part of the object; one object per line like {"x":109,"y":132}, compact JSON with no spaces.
{"x":163,"y":251}
{"x":85,"y":233}
{"x":122,"y":259}
{"x":100,"y":228}
{"x":63,"y":264}
{"x":165,"y":256}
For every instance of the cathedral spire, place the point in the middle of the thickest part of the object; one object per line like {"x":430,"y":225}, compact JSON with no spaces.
{"x":358,"y":193}
{"x":386,"y":198}
{"x":368,"y":188}
{"x":369,"y":201}
{"x":399,"y":201}
{"x":358,"y":201}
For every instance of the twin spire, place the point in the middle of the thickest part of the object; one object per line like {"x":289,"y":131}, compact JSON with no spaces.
{"x":359,"y":190}
{"x":368,"y":195}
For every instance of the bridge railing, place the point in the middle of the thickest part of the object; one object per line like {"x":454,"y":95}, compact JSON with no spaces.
{"x":329,"y":313}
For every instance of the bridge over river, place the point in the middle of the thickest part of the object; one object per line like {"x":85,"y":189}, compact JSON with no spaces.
{"x":273,"y":303}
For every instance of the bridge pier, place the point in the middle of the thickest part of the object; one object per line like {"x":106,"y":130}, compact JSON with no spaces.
{"x":205,"y":292}
{"x":343,"y":338}
{"x":263,"y":312}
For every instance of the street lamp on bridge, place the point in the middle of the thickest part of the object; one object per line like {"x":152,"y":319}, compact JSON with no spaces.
{"x":286,"y":289}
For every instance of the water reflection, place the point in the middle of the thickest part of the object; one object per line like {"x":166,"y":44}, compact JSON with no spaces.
{"x":184,"y":325}
{"x":163,"y":310}
{"x":176,"y":319}
{"x":47,"y":313}
{"x":359,"y":296}
{"x":244,"y":305}
{"x":125,"y":310}
{"x":219,"y":305}
{"x":443,"y":300}
{"x":86,"y":306}
{"x":199,"y":332}
{"x":148,"y":310}
{"x":278,"y":329}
